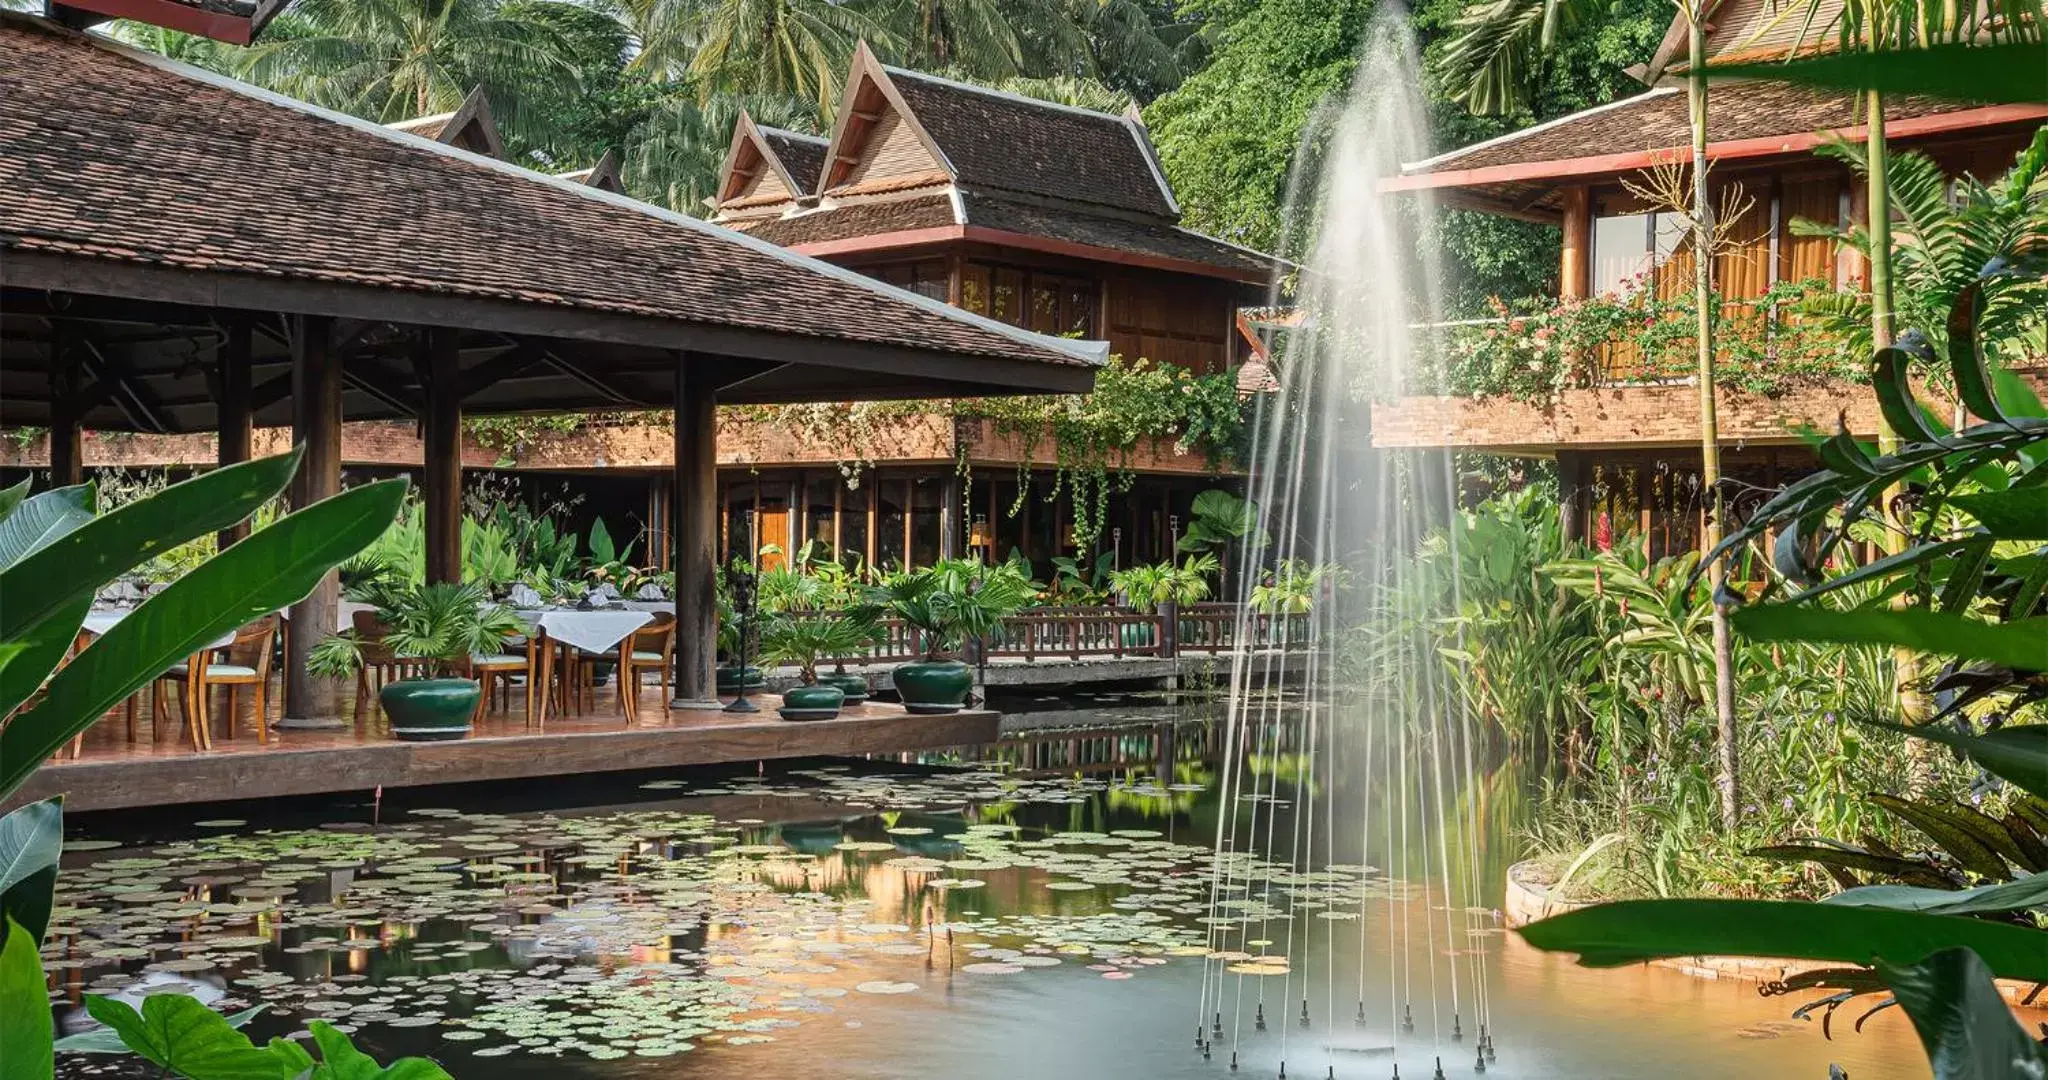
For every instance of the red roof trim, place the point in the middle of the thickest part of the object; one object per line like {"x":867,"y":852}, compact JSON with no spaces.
{"x":1727,"y":150}
{"x":939,"y":234}
{"x":185,"y":18}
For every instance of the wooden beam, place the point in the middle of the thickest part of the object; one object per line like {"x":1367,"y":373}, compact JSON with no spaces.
{"x":522,"y":357}
{"x":588,"y":378}
{"x":441,"y":469}
{"x":111,"y":381}
{"x":235,"y":416}
{"x":316,"y":426}
{"x":693,"y":505}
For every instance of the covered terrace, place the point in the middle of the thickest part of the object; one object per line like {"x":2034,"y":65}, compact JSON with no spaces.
{"x":184,"y":253}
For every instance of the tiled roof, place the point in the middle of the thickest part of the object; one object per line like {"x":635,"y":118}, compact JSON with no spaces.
{"x":999,"y":140}
{"x":803,"y":155}
{"x":1116,"y":233}
{"x":859,"y":219}
{"x":110,"y":154}
{"x":1658,"y":119}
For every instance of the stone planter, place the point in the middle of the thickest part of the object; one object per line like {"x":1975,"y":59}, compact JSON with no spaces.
{"x":1529,"y":899}
{"x":429,"y":710}
{"x":811,"y":702}
{"x":855,"y":687}
{"x":933,"y":688}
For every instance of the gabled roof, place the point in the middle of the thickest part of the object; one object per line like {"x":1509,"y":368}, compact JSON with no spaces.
{"x":470,"y":127}
{"x":139,"y":179}
{"x":604,"y":175}
{"x":758,"y":170}
{"x":1745,"y":121}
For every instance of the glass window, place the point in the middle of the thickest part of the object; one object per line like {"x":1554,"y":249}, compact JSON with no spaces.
{"x":821,"y":490}
{"x":739,"y":521}
{"x":1628,"y":248}
{"x":853,"y":524}
{"x":974,"y":289}
{"x":889,"y":519}
{"x":1006,"y":297}
{"x":927,"y":519}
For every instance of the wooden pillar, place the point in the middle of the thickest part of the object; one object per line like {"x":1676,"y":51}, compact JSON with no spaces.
{"x":694,"y":506}
{"x":232,"y":408}
{"x":441,"y":469}
{"x":67,"y":442}
{"x":316,"y":425}
{"x":1574,"y":276}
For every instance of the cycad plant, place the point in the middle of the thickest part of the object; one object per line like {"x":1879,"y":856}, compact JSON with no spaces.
{"x":805,"y":640}
{"x":440,"y":625}
{"x":952,"y":602}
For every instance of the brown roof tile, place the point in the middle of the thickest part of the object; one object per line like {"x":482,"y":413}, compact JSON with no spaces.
{"x":1658,"y":120}
{"x":803,"y":155}
{"x":994,"y":139}
{"x":1162,"y":239}
{"x":859,"y":219}
{"x":117,"y":155}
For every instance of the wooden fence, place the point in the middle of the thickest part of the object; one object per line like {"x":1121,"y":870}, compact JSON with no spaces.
{"x":1100,"y":632}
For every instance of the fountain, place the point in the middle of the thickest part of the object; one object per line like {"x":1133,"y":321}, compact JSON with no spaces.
{"x":1366,"y":760}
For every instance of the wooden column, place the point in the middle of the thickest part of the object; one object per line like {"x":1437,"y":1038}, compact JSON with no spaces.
{"x":67,"y":442}
{"x":441,"y":469}
{"x":316,"y":425}
{"x":1574,"y":268}
{"x":694,"y":506}
{"x":232,"y":404}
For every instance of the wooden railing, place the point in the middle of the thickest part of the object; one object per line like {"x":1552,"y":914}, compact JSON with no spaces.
{"x":1100,"y":632}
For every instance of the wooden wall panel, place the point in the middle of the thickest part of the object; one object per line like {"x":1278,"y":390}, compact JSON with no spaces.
{"x":892,"y":149}
{"x":1817,"y":199}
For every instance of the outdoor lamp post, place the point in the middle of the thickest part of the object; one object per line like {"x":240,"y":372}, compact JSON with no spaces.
{"x":742,"y":584}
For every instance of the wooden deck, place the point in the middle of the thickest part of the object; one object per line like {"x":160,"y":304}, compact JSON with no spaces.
{"x":112,"y":772}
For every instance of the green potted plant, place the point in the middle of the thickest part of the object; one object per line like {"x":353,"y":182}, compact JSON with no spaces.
{"x":802,"y":640}
{"x":441,"y":626}
{"x":950,"y":603}
{"x":730,"y":676}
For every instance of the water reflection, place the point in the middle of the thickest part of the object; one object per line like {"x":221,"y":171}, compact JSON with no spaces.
{"x":1040,"y":913}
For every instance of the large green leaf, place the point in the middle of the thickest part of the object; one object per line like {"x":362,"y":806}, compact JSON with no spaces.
{"x":1993,"y":74}
{"x":272,"y":568}
{"x":181,"y":1035}
{"x":38,"y":654}
{"x":42,"y":518}
{"x":2018,"y":754}
{"x":83,"y":560}
{"x":2021,"y":644}
{"x":1968,"y":1030}
{"x":31,"y":842}
{"x":1610,"y":935}
{"x":25,"y":1031}
{"x":105,"y":1040}
{"x":342,"y":1061}
{"x":11,"y":497}
{"x":2021,"y":895}
{"x":2017,"y":514}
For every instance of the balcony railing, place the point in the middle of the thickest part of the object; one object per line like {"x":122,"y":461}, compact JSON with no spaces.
{"x":1101,"y":632}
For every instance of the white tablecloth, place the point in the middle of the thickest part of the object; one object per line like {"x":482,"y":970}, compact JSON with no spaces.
{"x":656,"y":606}
{"x":591,"y":631}
{"x":101,"y":620}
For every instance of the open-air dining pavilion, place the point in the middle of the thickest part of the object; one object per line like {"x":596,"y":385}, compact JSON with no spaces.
{"x":184,"y":253}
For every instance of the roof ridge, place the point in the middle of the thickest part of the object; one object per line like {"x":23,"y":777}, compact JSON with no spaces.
{"x":1006,"y":95}
{"x":1498,"y":140}
{"x":1065,"y":346}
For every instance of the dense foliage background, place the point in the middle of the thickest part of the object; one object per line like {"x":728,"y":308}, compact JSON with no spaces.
{"x":1230,"y":88}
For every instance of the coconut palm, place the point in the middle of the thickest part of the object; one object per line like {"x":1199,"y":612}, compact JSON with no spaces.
{"x":782,"y":48}
{"x":673,"y":156}
{"x":391,"y":60}
{"x":978,"y":38}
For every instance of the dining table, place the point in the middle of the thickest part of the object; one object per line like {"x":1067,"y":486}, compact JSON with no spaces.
{"x":583,"y":633}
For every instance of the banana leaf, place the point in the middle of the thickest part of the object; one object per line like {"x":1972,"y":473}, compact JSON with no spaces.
{"x":2023,"y":894}
{"x":2010,"y":73}
{"x":42,"y":518}
{"x":2021,"y":644}
{"x":31,"y":841}
{"x":1967,"y":1029}
{"x":2018,"y":755}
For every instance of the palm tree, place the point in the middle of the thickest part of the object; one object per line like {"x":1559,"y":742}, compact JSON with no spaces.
{"x":977,"y":38}
{"x":1491,"y":67}
{"x":782,"y":48}
{"x":390,"y":60}
{"x":673,"y":157}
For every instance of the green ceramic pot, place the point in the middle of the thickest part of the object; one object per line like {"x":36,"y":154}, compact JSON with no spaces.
{"x":933,"y":688}
{"x":729,"y":678}
{"x":855,"y":687}
{"x":811,"y":702}
{"x":427,"y":710}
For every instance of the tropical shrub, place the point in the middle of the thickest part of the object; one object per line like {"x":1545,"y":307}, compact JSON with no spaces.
{"x":442,"y":625}
{"x":951,"y":602}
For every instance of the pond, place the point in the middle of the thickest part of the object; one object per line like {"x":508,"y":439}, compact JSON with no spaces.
{"x":1039,"y":908}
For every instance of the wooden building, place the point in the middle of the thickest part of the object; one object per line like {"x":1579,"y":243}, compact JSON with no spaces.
{"x":1028,"y":213}
{"x":1627,"y":448}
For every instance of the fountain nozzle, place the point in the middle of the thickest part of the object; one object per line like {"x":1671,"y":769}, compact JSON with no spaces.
{"x":1457,"y":1033}
{"x":1233,"y":1061}
{"x":1439,"y":1070}
{"x":1283,"y":1071}
{"x":1259,"y":1018}
{"x":1304,"y":1012}
{"x":1361,"y":1014}
{"x":1407,"y":1018}
{"x":1217,"y":1031}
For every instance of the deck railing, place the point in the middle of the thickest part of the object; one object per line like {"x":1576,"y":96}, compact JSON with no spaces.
{"x":1090,"y":632}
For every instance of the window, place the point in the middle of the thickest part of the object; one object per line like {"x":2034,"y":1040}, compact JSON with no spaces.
{"x":889,"y":511}
{"x":821,"y":494}
{"x":1629,"y":248}
{"x":1045,"y":302}
{"x":927,"y":519}
{"x":853,"y":523}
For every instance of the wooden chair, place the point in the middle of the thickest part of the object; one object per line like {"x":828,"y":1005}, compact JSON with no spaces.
{"x":247,"y":663}
{"x":496,"y":672}
{"x":129,"y":706}
{"x":645,"y":649}
{"x":380,"y":665}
